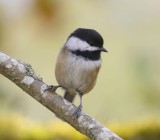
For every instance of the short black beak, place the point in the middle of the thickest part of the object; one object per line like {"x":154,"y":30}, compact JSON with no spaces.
{"x":103,"y":49}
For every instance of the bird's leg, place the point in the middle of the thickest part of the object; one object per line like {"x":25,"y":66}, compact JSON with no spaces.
{"x":52,"y":88}
{"x":79,"y":108}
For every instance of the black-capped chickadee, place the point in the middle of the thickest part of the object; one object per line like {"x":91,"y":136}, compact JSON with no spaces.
{"x":78,"y":64}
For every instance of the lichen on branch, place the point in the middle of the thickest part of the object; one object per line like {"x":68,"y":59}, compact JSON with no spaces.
{"x":24,"y":76}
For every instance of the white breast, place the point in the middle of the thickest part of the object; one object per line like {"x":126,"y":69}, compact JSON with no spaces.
{"x":82,"y":64}
{"x":74,"y":72}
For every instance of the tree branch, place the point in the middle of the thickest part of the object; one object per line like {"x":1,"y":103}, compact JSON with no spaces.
{"x":23,"y":76}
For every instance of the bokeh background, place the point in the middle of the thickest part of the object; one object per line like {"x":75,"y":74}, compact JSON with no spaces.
{"x":126,"y":97}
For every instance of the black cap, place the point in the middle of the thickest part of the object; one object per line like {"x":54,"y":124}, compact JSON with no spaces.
{"x":91,"y":36}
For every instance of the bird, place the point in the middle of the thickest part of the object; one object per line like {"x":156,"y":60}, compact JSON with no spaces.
{"x":78,"y":64}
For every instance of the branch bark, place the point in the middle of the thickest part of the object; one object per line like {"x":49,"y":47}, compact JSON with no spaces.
{"x":23,"y":76}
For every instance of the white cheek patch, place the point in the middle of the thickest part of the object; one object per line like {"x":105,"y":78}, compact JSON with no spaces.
{"x":75,"y":43}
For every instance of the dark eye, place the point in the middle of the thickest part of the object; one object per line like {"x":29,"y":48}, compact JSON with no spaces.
{"x":91,"y":43}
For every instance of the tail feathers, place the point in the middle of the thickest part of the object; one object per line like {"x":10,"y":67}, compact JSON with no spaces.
{"x":69,"y":97}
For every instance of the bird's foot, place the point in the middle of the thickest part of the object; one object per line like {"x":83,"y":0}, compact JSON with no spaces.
{"x":52,"y":88}
{"x":78,"y":111}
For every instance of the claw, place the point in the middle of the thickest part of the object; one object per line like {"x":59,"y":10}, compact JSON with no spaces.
{"x":79,"y":108}
{"x":52,"y":88}
{"x":78,"y":111}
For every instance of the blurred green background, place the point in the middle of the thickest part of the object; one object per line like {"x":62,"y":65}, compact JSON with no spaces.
{"x":127,"y":94}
